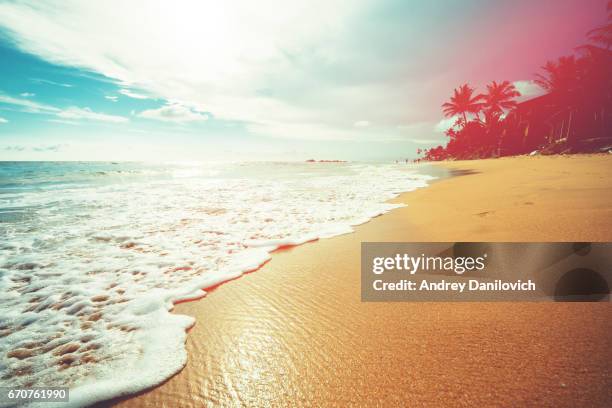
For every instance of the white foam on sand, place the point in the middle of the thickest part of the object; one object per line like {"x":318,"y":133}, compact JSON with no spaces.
{"x":88,"y":275}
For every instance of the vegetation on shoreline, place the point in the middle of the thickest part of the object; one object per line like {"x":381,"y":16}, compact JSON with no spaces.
{"x":573,"y":116}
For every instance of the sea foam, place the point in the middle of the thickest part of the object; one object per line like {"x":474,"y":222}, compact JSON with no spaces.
{"x":93,"y":256}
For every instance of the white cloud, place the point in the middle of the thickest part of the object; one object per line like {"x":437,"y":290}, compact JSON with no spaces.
{"x":27,"y":94}
{"x":173,"y":112}
{"x":34,"y":148}
{"x":217,"y":55}
{"x":131,"y":94}
{"x":299,"y":130}
{"x":361,"y":123}
{"x":425,"y":141}
{"x":277,"y":66}
{"x":72,"y":112}
{"x":445,"y":124}
{"x":27,"y":105}
{"x":47,"y":148}
{"x":46,"y":81}
{"x":14,"y":148}
{"x":87,"y":114}
{"x":2,"y":120}
{"x":528,"y":89}
{"x":112,"y":98}
{"x":63,"y":121}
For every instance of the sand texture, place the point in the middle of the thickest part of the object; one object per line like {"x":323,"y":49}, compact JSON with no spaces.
{"x":295,"y":332}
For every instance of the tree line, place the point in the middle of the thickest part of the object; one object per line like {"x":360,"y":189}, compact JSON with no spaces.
{"x":574,"y":114}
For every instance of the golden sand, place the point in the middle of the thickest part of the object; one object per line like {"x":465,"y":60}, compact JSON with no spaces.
{"x":295,"y":332}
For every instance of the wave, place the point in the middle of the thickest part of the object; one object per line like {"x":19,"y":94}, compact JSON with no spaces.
{"x":88,"y":278}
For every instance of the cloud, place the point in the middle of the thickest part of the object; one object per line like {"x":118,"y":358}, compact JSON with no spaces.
{"x":68,"y":113}
{"x":2,"y":120}
{"x":173,"y":112}
{"x":63,"y":121}
{"x":27,"y":105}
{"x":46,"y":81}
{"x":47,"y":148}
{"x":274,"y":65}
{"x":87,"y":114}
{"x":528,"y":89}
{"x":445,"y":124}
{"x":425,"y":141}
{"x":14,"y":148}
{"x":131,"y":94}
{"x":218,"y":55}
{"x":299,"y":130}
{"x":361,"y":124}
{"x":112,"y":98}
{"x":27,"y":94}
{"x":37,"y":148}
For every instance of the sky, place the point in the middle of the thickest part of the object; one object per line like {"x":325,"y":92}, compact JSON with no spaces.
{"x":265,"y":80}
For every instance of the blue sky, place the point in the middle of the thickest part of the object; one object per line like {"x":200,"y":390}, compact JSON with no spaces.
{"x":47,"y":108}
{"x":198,"y":80}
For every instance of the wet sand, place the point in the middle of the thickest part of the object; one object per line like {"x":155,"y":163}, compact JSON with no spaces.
{"x":295,"y":332}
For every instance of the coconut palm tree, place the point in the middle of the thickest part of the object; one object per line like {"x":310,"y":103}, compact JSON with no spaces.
{"x":499,"y":98}
{"x":463,"y":102}
{"x":603,"y":35}
{"x":580,"y":91}
{"x":560,"y":76}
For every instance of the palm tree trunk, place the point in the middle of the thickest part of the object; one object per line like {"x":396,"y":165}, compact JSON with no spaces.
{"x":464,"y":119}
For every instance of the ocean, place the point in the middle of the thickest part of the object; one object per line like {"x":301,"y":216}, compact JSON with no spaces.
{"x":93,"y":255}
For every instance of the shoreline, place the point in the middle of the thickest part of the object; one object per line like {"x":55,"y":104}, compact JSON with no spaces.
{"x":251,"y":349}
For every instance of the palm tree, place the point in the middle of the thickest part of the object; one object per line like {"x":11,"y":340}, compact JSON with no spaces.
{"x":578,"y":90}
{"x":463,"y":102}
{"x":560,"y":76}
{"x":603,"y":35}
{"x":499,"y":98}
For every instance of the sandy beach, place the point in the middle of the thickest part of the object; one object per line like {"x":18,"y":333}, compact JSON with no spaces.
{"x":295,"y":332}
